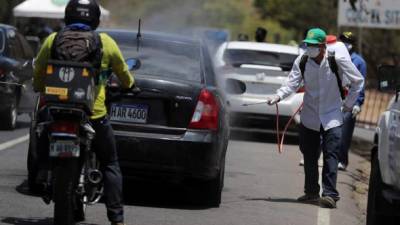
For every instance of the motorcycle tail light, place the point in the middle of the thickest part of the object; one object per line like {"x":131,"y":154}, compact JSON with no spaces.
{"x":67,"y":127}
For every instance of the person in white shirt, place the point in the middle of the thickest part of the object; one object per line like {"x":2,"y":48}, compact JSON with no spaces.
{"x":321,"y":115}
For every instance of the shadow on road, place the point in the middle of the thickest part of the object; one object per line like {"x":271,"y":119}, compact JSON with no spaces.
{"x":281,"y":200}
{"x":161,"y":195}
{"x":32,"y":221}
{"x":27,"y":221}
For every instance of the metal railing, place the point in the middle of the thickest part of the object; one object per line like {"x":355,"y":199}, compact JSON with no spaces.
{"x":375,"y":103}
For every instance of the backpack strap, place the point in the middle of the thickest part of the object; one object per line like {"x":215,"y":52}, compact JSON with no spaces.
{"x":302,"y":65}
{"x":334,"y":68}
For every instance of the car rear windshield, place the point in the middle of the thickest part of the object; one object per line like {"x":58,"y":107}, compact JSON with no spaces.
{"x":238,"y":57}
{"x":2,"y":44}
{"x":168,"y":59}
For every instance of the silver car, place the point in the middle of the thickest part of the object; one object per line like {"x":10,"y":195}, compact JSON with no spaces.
{"x":249,"y":72}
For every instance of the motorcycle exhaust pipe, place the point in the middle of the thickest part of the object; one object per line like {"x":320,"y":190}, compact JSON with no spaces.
{"x":95,"y":176}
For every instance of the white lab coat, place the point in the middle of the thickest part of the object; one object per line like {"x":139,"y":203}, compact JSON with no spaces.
{"x":322,"y":101}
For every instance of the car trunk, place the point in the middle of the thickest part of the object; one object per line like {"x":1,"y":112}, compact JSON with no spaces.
{"x":253,"y":82}
{"x":162,"y":106}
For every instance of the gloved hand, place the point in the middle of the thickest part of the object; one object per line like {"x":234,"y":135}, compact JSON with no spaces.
{"x":273,"y":100}
{"x":356,"y":110}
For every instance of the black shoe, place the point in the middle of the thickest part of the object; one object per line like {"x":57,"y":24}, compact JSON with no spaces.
{"x":309,"y":198}
{"x":327,"y":202}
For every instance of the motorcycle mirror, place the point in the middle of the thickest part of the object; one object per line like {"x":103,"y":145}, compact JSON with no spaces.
{"x":133,"y":64}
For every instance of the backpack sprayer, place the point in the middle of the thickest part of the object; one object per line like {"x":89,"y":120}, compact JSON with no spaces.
{"x":279,"y":138}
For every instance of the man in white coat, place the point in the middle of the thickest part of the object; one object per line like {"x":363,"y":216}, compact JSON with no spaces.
{"x":321,"y":115}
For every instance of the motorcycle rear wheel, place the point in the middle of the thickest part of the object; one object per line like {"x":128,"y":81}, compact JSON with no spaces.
{"x":65,"y":174}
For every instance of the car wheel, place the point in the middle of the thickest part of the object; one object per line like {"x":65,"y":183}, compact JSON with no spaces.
{"x":379,"y":210}
{"x":9,"y":117}
{"x":213,"y":189}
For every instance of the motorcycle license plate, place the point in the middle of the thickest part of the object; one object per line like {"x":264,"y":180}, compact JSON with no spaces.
{"x":134,"y":113}
{"x":64,"y":149}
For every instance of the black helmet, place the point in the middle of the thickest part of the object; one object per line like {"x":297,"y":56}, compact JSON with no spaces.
{"x":83,"y":11}
{"x":348,"y":37}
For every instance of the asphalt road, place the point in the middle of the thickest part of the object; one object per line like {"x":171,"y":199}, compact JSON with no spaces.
{"x":260,"y":189}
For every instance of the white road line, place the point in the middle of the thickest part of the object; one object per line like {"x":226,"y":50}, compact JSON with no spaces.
{"x":12,"y":143}
{"x":324,"y":214}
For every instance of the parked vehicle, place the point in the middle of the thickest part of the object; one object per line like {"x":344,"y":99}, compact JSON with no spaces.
{"x":16,"y":94}
{"x":176,"y":127}
{"x":384,"y":186}
{"x":249,"y":72}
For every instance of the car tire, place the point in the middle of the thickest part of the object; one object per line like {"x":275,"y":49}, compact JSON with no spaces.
{"x":9,"y":116}
{"x":379,"y":210}
{"x":213,"y":189}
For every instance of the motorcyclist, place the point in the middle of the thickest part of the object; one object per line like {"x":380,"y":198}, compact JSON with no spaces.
{"x":85,"y":14}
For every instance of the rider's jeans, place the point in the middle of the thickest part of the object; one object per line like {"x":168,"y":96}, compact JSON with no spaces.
{"x":104,"y":145}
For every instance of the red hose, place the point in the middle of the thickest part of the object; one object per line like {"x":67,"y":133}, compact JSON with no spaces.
{"x":278,"y":136}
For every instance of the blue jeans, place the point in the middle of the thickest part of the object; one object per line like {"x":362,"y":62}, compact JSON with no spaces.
{"x":347,"y":133}
{"x":310,"y":143}
{"x":105,"y":147}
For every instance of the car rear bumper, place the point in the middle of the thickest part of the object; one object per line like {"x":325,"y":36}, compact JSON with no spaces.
{"x":194,"y":154}
{"x":261,"y":123}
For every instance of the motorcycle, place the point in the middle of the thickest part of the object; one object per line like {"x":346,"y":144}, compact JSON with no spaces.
{"x":73,"y":179}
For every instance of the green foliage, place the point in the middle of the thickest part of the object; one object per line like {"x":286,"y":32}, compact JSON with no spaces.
{"x":6,"y":10}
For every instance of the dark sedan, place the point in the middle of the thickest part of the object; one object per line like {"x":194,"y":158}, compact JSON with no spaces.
{"x":176,"y":126}
{"x":16,"y":95}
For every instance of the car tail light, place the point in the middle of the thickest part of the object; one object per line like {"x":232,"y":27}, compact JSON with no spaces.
{"x":205,"y":115}
{"x":302,"y":89}
{"x":64,"y":127}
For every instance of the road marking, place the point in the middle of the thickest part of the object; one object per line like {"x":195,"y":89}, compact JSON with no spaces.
{"x":14,"y":142}
{"x":324,"y":215}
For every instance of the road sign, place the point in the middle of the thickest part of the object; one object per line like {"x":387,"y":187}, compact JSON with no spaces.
{"x":369,"y":13}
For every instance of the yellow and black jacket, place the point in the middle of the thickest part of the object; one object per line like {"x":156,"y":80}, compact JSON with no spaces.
{"x":112,"y":58}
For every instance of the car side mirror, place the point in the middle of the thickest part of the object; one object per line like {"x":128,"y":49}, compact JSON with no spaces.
{"x":133,"y":64}
{"x":389,"y":79}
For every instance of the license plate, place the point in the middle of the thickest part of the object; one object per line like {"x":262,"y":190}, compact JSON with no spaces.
{"x":134,"y":113}
{"x":56,"y":91}
{"x":64,"y":149}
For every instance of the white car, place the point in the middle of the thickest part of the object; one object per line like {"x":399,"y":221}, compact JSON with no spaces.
{"x":384,"y":186}
{"x":250,"y":72}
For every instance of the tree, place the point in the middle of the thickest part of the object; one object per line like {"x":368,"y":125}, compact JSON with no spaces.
{"x":6,"y":10}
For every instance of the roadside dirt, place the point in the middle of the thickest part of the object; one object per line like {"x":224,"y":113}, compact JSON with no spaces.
{"x":361,"y":174}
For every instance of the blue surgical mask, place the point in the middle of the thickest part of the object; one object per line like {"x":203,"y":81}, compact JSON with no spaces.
{"x":312,"y":51}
